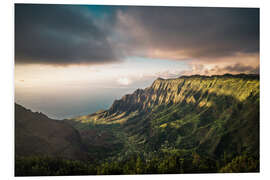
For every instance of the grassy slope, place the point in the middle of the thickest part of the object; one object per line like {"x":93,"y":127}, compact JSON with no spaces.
{"x":185,"y":125}
{"x":212,"y":116}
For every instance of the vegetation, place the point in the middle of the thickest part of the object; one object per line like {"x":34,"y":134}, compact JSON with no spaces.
{"x":194,"y":124}
{"x":158,"y":163}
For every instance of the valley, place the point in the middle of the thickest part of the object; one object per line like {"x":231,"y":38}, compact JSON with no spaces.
{"x":191,"y":124}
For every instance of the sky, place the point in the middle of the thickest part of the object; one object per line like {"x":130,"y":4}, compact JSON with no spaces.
{"x":73,"y":60}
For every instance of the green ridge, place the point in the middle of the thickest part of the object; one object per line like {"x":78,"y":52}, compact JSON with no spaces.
{"x":185,"y":125}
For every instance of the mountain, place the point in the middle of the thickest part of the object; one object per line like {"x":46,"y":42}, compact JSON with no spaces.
{"x":36,"y":134}
{"x":213,"y":116}
{"x":190,"y":124}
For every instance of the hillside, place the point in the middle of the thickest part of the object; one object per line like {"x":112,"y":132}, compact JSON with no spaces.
{"x":214,"y":116}
{"x":36,"y":134}
{"x":189,"y":124}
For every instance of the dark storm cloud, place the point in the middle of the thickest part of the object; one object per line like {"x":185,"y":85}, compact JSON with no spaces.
{"x":197,"y":32}
{"x":238,"y":68}
{"x":57,"y":34}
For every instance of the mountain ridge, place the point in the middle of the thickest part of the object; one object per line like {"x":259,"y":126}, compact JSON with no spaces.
{"x":188,"y":124}
{"x":171,"y":85}
{"x":201,"y":113}
{"x":36,"y":134}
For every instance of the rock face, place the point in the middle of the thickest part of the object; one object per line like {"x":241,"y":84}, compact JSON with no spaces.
{"x":191,"y":89}
{"x":211,"y":115}
{"x":36,"y":134}
{"x":189,"y":124}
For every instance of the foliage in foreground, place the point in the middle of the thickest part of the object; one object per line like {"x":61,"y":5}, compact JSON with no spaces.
{"x":161,"y":163}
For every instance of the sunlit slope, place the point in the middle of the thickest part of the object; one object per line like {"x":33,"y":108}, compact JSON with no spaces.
{"x":210,"y":115}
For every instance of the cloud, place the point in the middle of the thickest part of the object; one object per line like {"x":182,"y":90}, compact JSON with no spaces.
{"x":124,"y":81}
{"x":190,"y":33}
{"x":219,"y":69}
{"x":59,"y":34}
{"x":68,"y":34}
{"x":241,"y":68}
{"x":169,"y":74}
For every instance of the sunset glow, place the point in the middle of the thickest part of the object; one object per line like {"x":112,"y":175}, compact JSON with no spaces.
{"x":86,"y":51}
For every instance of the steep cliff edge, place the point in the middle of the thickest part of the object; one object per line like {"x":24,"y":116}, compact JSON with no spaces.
{"x":198,"y":90}
{"x":210,"y":115}
{"x":193,"y":89}
{"x":189,"y":124}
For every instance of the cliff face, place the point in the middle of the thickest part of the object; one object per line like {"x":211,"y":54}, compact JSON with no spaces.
{"x":197,"y":90}
{"x":193,"y":123}
{"x":210,"y":115}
